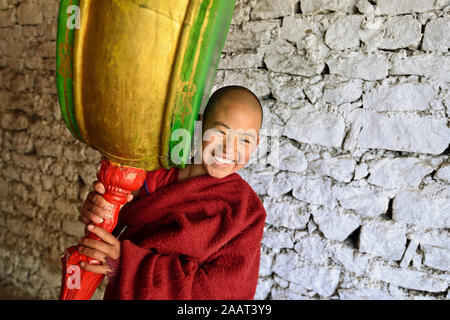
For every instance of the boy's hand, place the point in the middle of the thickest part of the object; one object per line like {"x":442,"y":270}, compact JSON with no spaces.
{"x":99,"y":250}
{"x":95,"y":208}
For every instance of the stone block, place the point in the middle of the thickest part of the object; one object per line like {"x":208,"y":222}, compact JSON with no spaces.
{"x":326,"y":6}
{"x":314,"y":191}
{"x":74,"y":228}
{"x":295,"y":28}
{"x":74,"y":154}
{"x":280,"y":184}
{"x":272,"y":124}
{"x":392,"y":8}
{"x":364,"y":294}
{"x":437,"y":35}
{"x":339,"y":168}
{"x":398,"y":172}
{"x":343,"y":33}
{"x":48,"y":148}
{"x":256,"y":80}
{"x":259,"y":182}
{"x":422,"y":209}
{"x":14,"y":121}
{"x":357,"y":65}
{"x":11,"y":172}
{"x":250,"y":35}
{"x":409,"y":254}
{"x":282,"y":57}
{"x":410,"y":279}
{"x":399,"y":97}
{"x":437,"y":258}
{"x":22,"y":142}
{"x":263,"y":289}
{"x":433,"y":67}
{"x":243,"y":60}
{"x":320,"y":279}
{"x":335,"y":224}
{"x":363,"y":200}
{"x":46,"y":49}
{"x":443,"y":173}
{"x":7,"y":18}
{"x":266,"y":261}
{"x":286,"y":212}
{"x":29,"y":12}
{"x":286,"y":88}
{"x":271,"y":9}
{"x":386,"y":239}
{"x":352,"y":260}
{"x":241,"y":13}
{"x":321,"y":128}
{"x":286,"y":156}
{"x":277,"y":239}
{"x":435,"y":238}
{"x":365,"y":7}
{"x":312,"y":248}
{"x":402,"y":133}
{"x":401,"y":32}
{"x":342,"y":92}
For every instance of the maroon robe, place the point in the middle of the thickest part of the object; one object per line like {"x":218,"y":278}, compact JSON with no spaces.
{"x":198,"y":238}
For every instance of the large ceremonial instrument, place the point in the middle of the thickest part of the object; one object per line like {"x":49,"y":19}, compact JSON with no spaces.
{"x":130,"y":75}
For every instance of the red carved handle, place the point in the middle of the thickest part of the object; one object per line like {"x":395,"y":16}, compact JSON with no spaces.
{"x":119,"y":182}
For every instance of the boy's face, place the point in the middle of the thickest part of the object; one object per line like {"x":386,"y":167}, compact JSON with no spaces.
{"x":230,"y":136}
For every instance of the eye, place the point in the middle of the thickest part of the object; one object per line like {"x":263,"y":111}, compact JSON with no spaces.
{"x":220,"y":131}
{"x":245,"y":140}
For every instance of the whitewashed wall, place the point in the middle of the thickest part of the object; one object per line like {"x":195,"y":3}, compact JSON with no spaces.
{"x":353,"y":168}
{"x":353,"y":162}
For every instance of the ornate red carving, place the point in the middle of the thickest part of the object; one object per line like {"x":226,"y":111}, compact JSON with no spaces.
{"x":119,"y":182}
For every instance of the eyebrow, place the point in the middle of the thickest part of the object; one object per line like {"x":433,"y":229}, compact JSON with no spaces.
{"x":223,"y":124}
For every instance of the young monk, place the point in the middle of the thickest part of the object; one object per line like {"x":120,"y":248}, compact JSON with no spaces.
{"x":192,"y":233}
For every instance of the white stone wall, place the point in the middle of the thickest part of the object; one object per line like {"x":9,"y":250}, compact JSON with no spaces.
{"x":352,"y":166}
{"x":353,"y":163}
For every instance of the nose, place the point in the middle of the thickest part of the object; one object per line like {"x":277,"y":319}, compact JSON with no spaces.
{"x":228,"y":147}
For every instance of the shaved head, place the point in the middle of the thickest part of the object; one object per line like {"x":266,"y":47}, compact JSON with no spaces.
{"x":226,"y":96}
{"x":231,"y":125}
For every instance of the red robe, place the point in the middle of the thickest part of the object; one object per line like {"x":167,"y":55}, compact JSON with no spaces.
{"x":198,"y":239}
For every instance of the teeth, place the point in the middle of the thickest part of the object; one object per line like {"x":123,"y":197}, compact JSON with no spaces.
{"x":223,"y":161}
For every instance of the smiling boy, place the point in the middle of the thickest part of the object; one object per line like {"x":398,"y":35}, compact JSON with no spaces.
{"x":192,"y":233}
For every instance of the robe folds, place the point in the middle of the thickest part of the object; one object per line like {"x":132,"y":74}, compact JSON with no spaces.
{"x":195,"y":239}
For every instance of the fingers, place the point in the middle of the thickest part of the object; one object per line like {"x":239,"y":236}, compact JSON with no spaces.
{"x":129,"y":197}
{"x":102,"y":269}
{"x":92,"y":217}
{"x":92,"y":253}
{"x":99,"y":187}
{"x":103,"y":234}
{"x":99,"y":201}
{"x":102,"y":212}
{"x":96,"y":205}
{"x":95,"y":249}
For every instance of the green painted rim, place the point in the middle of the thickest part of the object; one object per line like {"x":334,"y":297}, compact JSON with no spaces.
{"x":64,"y":68}
{"x":221,"y":13}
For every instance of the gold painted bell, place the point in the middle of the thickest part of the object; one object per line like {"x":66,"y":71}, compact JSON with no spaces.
{"x":135,"y":71}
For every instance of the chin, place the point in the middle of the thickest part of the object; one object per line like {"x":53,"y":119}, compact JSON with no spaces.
{"x":217,"y":173}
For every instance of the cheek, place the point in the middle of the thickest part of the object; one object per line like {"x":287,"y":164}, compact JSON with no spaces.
{"x":244,"y":154}
{"x":208,"y":147}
